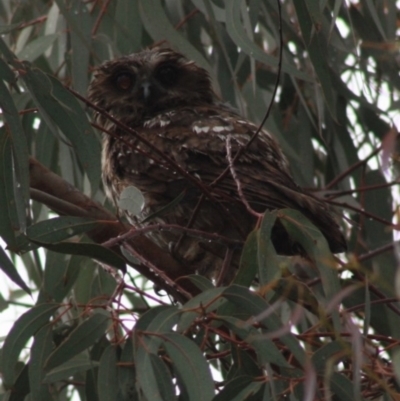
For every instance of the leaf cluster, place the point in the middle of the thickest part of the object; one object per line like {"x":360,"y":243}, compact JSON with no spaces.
{"x":93,"y":328}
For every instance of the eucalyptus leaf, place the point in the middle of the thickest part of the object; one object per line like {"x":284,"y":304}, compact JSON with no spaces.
{"x":190,"y":366}
{"x":131,"y":200}
{"x":81,"y":338}
{"x":23,"y":329}
{"x":7,"y":266}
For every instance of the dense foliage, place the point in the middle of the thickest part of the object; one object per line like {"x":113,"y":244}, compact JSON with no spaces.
{"x":94,"y":328}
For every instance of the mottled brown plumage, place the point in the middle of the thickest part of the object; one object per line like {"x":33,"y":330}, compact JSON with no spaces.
{"x":169,"y":101}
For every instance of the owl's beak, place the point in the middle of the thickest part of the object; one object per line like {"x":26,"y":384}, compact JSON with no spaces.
{"x":145,"y":87}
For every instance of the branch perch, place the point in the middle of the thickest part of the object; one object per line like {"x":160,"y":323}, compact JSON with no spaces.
{"x":63,"y":198}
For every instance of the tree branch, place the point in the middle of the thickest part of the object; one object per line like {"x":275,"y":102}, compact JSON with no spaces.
{"x":60,"y":196}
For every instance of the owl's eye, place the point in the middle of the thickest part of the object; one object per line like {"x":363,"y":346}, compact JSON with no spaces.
{"x":167,"y":74}
{"x":124,"y":80}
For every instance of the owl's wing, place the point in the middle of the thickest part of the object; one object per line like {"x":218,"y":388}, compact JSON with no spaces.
{"x":196,"y":139}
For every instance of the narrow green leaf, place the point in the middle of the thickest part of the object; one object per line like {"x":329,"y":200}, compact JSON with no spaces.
{"x":157,"y":320}
{"x":190,"y":365}
{"x":94,"y":251}
{"x":396,"y":364}
{"x":40,"y":350}
{"x":8,"y":28}
{"x":80,"y":15}
{"x":328,"y":351}
{"x":107,"y":382}
{"x":165,"y":321}
{"x":66,"y":370}
{"x":60,"y":274}
{"x":6,"y":73}
{"x":10,"y":270}
{"x":164,"y":379}
{"x":128,"y":25}
{"x":268,"y":261}
{"x":248,"y":265}
{"x":59,"y":107}
{"x":147,"y":380}
{"x":252,"y":306}
{"x":60,"y":228}
{"x":8,"y":217}
{"x":159,"y":27}
{"x":267,"y":351}
{"x":152,"y":316}
{"x":91,"y":387}
{"x":241,"y":388}
{"x":127,"y":372}
{"x":18,"y":141}
{"x":314,"y":12}
{"x":81,"y":338}
{"x":73,"y":24}
{"x":202,"y":283}
{"x":21,"y":387}
{"x":316,"y":44}
{"x":7,"y":53}
{"x":37,"y":47}
{"x":238,"y":34}
{"x":209,"y":300}
{"x":23,"y":329}
{"x":342,"y":387}
{"x":374,"y":14}
{"x":316,"y":246}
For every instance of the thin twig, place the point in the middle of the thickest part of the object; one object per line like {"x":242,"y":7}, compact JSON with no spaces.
{"x":365,"y":213}
{"x":156,"y":270}
{"x":100,"y":17}
{"x":352,"y":168}
{"x":378,"y":251}
{"x":171,"y":227}
{"x":336,"y":194}
{"x":236,"y":179}
{"x":144,"y":294}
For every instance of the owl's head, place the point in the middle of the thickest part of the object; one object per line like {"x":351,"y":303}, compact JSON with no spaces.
{"x":141,"y":85}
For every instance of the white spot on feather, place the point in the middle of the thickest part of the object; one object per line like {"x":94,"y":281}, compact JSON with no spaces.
{"x":163,"y":123}
{"x":199,"y":130}
{"x":222,"y":128}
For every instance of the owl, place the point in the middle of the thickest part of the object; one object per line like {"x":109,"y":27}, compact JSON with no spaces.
{"x":189,"y":133}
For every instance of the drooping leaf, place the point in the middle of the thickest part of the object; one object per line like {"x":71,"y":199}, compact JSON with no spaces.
{"x":81,"y":338}
{"x":108,"y":378}
{"x":19,"y":147}
{"x":7,"y":266}
{"x":95,"y":251}
{"x":253,"y":307}
{"x":56,"y":230}
{"x":190,"y":366}
{"x":59,"y":108}
{"x":76,"y":365}
{"x":40,"y":350}
{"x":37,"y":47}
{"x":23,"y":329}
{"x":147,"y":379}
